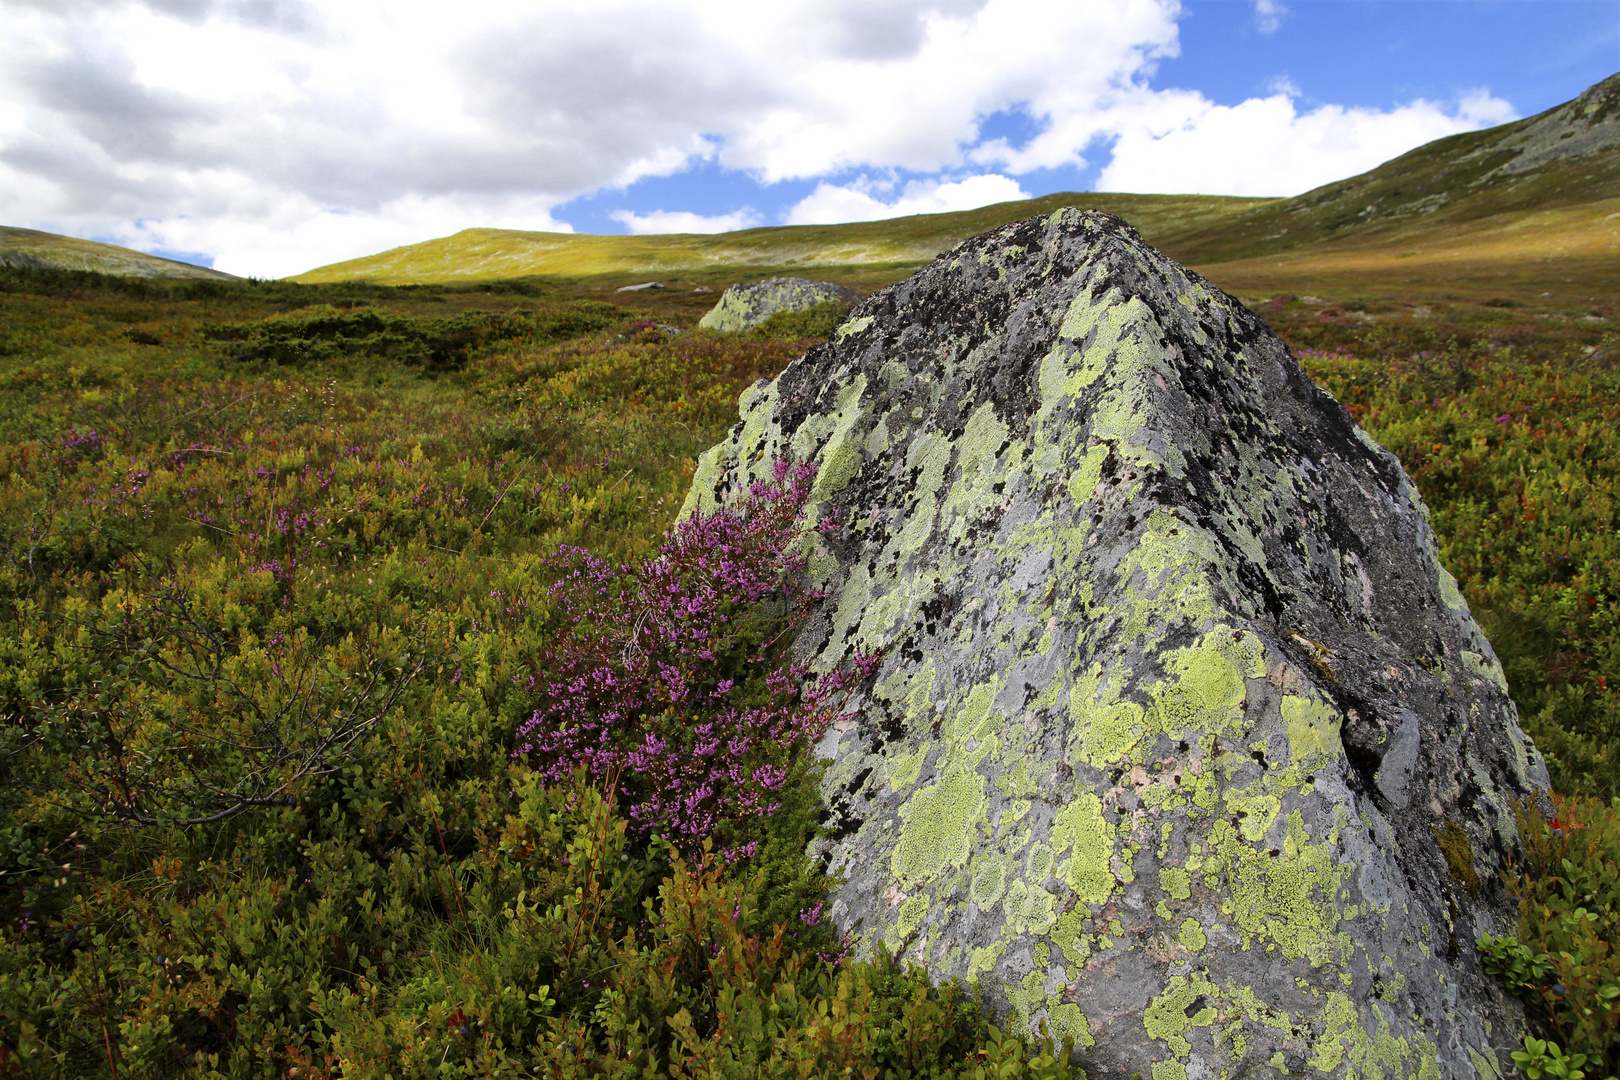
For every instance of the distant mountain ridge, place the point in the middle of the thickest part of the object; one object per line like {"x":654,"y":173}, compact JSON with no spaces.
{"x":1534,"y":189}
{"x":33,"y":248}
{"x":1541,"y":193}
{"x":1563,"y":157}
{"x":897,"y":243}
{"x":1587,"y":125}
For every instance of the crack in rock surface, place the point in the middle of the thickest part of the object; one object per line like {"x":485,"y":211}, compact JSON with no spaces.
{"x":1175,"y":693}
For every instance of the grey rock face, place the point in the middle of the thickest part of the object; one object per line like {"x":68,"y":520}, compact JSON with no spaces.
{"x":751,"y":303}
{"x":1590,"y":124}
{"x":1175,"y":695}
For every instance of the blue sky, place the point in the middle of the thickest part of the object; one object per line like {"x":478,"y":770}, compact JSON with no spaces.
{"x":270,"y":136}
{"x":1532,"y":54}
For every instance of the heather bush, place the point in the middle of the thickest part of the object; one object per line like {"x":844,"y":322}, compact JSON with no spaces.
{"x":672,"y":677}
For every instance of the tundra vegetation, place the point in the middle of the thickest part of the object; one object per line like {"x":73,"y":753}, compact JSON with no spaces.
{"x":363,"y":707}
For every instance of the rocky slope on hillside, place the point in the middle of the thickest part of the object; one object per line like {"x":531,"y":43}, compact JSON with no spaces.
{"x":1566,"y":156}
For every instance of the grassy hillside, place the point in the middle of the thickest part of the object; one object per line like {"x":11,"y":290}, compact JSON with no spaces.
{"x":1545,"y":171}
{"x":866,"y":252}
{"x":43,"y":250}
{"x":1518,"y":210}
{"x":1524,"y":210}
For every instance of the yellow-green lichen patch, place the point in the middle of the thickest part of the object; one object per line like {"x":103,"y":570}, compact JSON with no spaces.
{"x":1187,"y":1002}
{"x":1106,"y":728}
{"x":1027,"y":909}
{"x":904,"y":768}
{"x":910,"y":917}
{"x":853,"y":326}
{"x":983,"y":959}
{"x":1039,"y":862}
{"x":1176,"y":882}
{"x":1080,"y":828}
{"x":938,"y":830}
{"x":1083,"y":481}
{"x":884,"y":615}
{"x":711,"y":466}
{"x":1490,"y":669}
{"x":1209,"y":690}
{"x":1068,"y":1024}
{"x":1291,"y":898}
{"x":1068,"y":933}
{"x":1169,"y":1070}
{"x":990,"y":879}
{"x":1175,"y":588}
{"x":1192,"y":935}
{"x":979,"y":444}
{"x":839,"y":456}
{"x":1375,"y":1056}
{"x":1255,"y":811}
{"x":912,"y":689}
{"x":1102,"y":325}
{"x":977,"y":718}
{"x":820,"y":564}
{"x":1313,"y":731}
{"x":931,"y":455}
{"x":1242,"y":648}
{"x":1015,"y":782}
{"x":1449,"y":593}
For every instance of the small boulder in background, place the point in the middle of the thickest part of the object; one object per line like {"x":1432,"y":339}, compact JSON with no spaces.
{"x":751,"y":303}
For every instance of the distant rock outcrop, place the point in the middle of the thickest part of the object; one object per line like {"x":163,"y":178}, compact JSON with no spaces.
{"x":751,"y":303}
{"x":1587,"y":125}
{"x":1183,"y":741}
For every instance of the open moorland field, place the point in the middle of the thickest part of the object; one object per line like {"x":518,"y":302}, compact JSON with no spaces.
{"x":288,"y":574}
{"x":365,"y":714}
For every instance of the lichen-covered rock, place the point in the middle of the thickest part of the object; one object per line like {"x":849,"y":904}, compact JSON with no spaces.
{"x":1183,"y":740}
{"x":751,"y":303}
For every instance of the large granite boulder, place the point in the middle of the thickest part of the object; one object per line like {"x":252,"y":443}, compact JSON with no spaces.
{"x":1183,"y":741}
{"x":751,"y":303}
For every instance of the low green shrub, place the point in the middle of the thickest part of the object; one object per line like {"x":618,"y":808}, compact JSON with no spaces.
{"x":1518,"y":459}
{"x":1563,"y":962}
{"x":324,"y":334}
{"x":813,"y":322}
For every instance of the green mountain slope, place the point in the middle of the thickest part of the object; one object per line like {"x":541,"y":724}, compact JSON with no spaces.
{"x":1535,"y":199}
{"x":896,"y":244}
{"x":30,"y":247}
{"x":1560,"y":162}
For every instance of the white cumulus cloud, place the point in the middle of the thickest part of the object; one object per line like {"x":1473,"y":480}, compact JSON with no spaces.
{"x":863,"y":200}
{"x":1184,"y":143}
{"x":682,"y":221}
{"x":276,"y":135}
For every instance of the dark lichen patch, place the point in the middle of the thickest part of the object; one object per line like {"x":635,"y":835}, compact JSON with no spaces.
{"x":1459,"y":856}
